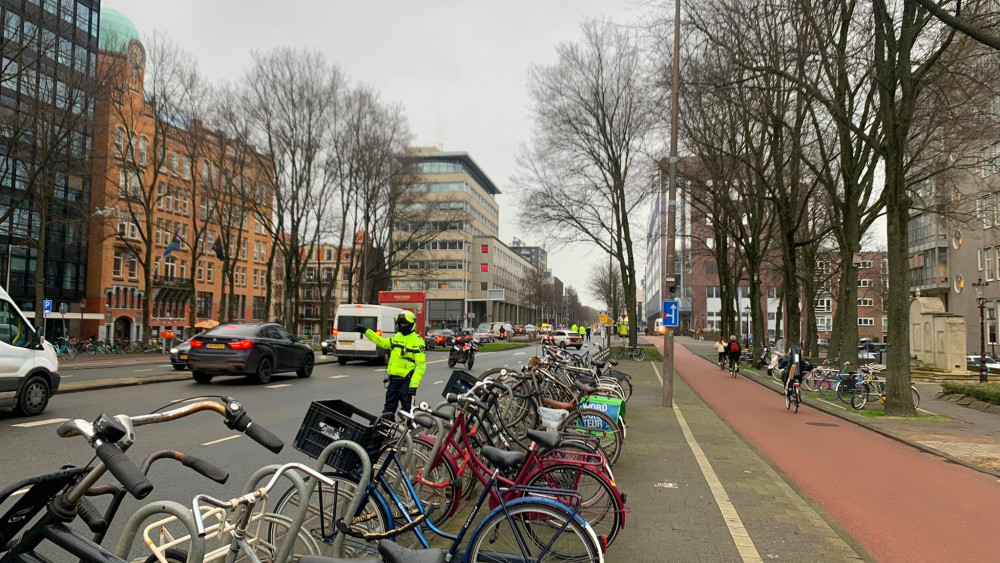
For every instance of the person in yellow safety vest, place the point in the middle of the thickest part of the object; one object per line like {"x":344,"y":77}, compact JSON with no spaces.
{"x":573,"y":328}
{"x":407,"y":362}
{"x":623,"y":328}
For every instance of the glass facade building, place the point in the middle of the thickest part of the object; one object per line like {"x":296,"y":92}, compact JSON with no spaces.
{"x":49,"y":59}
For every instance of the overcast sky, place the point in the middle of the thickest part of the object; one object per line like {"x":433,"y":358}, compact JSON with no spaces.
{"x":458,"y":67}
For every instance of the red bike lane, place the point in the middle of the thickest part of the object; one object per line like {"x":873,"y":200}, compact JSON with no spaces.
{"x":897,"y":502}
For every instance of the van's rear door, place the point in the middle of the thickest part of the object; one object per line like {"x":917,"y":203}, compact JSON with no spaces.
{"x":348,"y":339}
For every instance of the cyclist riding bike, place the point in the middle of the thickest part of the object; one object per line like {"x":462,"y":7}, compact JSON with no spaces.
{"x":734,"y":350}
{"x":793,"y":358}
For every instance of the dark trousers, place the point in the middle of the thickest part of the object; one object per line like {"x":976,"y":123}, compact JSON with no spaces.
{"x":397,"y":394}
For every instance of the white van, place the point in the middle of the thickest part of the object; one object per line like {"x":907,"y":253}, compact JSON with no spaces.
{"x":658,"y":327}
{"x":29,"y":369}
{"x":349,"y":344}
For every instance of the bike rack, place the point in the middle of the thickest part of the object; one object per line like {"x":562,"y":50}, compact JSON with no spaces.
{"x":196,"y":554}
{"x":359,"y":492}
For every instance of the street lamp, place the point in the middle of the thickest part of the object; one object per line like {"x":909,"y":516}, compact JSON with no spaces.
{"x":747,"y":311}
{"x":981,"y":302}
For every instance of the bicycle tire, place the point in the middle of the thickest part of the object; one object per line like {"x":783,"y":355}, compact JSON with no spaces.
{"x":916,"y":397}
{"x":69,"y":354}
{"x":788,"y":400}
{"x":319,"y":524}
{"x":825,"y":388}
{"x":610,"y":435}
{"x":446,"y":499}
{"x":638,"y":353}
{"x":798,"y":398}
{"x":859,"y":397}
{"x":599,"y":505}
{"x":845,"y":388}
{"x":535,"y":521}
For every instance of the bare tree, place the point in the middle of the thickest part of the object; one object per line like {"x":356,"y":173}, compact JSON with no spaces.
{"x":587,"y":170}
{"x":533,"y":291}
{"x":605,"y":283}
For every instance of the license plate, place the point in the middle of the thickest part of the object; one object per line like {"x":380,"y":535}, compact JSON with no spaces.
{"x":184,"y":357}
{"x":346,"y":343}
{"x":217,"y":346}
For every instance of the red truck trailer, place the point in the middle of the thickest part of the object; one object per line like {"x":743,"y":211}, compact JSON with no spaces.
{"x":411,"y":301}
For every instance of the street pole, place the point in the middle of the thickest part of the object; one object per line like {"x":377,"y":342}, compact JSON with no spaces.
{"x":981,"y":302}
{"x":667,"y":392}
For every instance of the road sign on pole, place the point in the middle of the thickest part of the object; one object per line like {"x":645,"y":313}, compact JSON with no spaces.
{"x":63,"y":308}
{"x":47,"y":307}
{"x":670,"y":316}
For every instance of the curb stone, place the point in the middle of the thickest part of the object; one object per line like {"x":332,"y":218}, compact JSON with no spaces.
{"x":121,"y":382}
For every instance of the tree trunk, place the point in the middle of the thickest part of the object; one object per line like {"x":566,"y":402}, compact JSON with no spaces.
{"x":41,"y":205}
{"x":847,"y":309}
{"x":899,"y":402}
{"x":790,"y":277}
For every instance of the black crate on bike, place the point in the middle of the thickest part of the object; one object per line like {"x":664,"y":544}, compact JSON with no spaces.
{"x":460,"y":382}
{"x":328,"y":421}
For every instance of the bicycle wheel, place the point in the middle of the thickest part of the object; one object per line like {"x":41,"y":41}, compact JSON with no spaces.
{"x":638,"y":353}
{"x":825,"y":388}
{"x":845,"y":388}
{"x":444,"y":499}
{"x":916,"y":396}
{"x":599,"y":505}
{"x":788,"y":400}
{"x":532,"y":531}
{"x":598,"y":424}
{"x":319,"y":524}
{"x":68,"y":354}
{"x":859,"y":397}
{"x":797,"y":398}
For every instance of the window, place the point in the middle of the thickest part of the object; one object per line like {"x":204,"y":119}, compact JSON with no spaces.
{"x":864,"y":264}
{"x":823,"y":266}
{"x":864,"y":282}
{"x":133,"y":267}
{"x":996,"y":250}
{"x":143,"y":149}
{"x":979,"y":259}
{"x":866,"y":302}
{"x":866,"y":321}
{"x":116,"y":267}
{"x":710,"y":243}
{"x":119,"y":142}
{"x":483,"y":286}
{"x":175,"y":163}
{"x":13,"y":328}
{"x":710,"y":268}
{"x":210,"y":274}
{"x":824,"y":323}
{"x":824,"y":305}
{"x":713,"y":292}
{"x":885,"y":324}
{"x":773,"y":292}
{"x":484,"y":267}
{"x":485,"y":249}
{"x":186,"y":169}
{"x":204,"y":304}
{"x":990,"y":255}
{"x":201,"y":270}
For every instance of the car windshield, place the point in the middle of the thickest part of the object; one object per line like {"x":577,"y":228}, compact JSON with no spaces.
{"x":346,"y":323}
{"x":227,"y":330}
{"x":485,"y":327}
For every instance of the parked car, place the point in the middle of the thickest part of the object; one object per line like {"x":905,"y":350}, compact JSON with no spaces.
{"x":530,"y":329}
{"x":484,"y":333}
{"x":972,"y":362}
{"x":179,"y":355}
{"x":440,"y":337}
{"x":258,"y":350}
{"x":563,"y":338}
{"x":329,"y":346}
{"x":29,"y":367}
{"x":519,"y":330}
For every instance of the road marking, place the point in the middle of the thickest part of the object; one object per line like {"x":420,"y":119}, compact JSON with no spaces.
{"x":66,"y":375}
{"x":438,"y":382}
{"x":437,"y":361}
{"x":518,"y":353}
{"x":338,"y":376}
{"x":744,"y":544}
{"x":278,"y":385}
{"x":138,"y":370}
{"x":20,"y":491}
{"x":213,"y":442}
{"x":40,"y":422}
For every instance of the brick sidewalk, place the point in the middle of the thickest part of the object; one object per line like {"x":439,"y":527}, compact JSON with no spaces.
{"x":958,"y":433}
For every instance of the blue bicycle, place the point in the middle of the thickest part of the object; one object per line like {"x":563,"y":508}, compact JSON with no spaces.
{"x":533,"y":527}
{"x":64,"y":350}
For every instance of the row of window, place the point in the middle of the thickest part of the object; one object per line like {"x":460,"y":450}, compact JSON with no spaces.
{"x":988,"y":262}
{"x":439,"y":168}
{"x":825,"y":324}
{"x":442,"y":187}
{"x":433,"y":265}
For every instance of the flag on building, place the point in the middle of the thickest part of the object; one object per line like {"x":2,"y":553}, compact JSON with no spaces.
{"x":217,"y":249}
{"x":175,"y":245}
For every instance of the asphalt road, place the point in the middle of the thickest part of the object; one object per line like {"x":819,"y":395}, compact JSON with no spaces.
{"x":30,"y":446}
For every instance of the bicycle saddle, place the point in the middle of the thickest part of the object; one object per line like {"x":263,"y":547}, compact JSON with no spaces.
{"x":584,"y":388}
{"x":499,"y":458}
{"x":392,"y":552}
{"x":545,"y":438}
{"x":598,"y":365}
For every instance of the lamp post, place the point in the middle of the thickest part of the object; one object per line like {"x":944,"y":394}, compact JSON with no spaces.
{"x":981,"y":303}
{"x":746,"y":310}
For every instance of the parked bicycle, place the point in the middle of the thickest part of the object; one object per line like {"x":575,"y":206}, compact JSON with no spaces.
{"x":870,"y":385}
{"x":64,"y":350}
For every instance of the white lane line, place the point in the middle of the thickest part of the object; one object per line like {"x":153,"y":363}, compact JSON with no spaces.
{"x":66,"y":375}
{"x":438,"y":361}
{"x":338,"y":376}
{"x":744,"y":544}
{"x":39,"y":422}
{"x":213,"y":442}
{"x":438,"y":382}
{"x":138,"y":370}
{"x":277,"y":385}
{"x":518,"y":354}
{"x":20,"y":491}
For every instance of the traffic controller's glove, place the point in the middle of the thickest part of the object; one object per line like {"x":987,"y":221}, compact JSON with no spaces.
{"x":360,"y":328}
{"x":413,"y":391}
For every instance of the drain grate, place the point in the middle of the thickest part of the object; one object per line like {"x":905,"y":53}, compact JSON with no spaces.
{"x":827,"y":424}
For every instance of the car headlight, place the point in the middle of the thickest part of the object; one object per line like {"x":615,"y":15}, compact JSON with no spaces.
{"x":174,"y":350}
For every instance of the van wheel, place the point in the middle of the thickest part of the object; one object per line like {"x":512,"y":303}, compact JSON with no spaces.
{"x":34,"y":397}
{"x":342,"y":361}
{"x":201,"y":377}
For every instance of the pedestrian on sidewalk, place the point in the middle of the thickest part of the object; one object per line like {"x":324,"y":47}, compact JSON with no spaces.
{"x":700,"y":333}
{"x":720,"y":347}
{"x":588,"y":334}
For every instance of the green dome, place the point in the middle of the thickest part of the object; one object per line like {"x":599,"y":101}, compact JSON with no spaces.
{"x":116,"y":31}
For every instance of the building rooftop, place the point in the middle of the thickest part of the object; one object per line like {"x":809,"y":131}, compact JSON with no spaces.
{"x":116,"y":31}
{"x":426,"y":155}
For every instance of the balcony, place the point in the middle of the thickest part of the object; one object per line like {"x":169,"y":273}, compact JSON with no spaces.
{"x":172,"y":289}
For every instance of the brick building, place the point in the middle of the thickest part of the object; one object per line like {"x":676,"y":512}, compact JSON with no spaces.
{"x":143,"y":166}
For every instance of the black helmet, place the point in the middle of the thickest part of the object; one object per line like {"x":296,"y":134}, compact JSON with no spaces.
{"x":405,"y":321}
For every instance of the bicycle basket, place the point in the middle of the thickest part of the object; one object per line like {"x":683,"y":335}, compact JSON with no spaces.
{"x":460,"y":382}
{"x":328,"y":421}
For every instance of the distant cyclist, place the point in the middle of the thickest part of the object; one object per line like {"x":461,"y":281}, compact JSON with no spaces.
{"x":734,"y":350}
{"x":794,"y":358}
{"x":720,"y":348}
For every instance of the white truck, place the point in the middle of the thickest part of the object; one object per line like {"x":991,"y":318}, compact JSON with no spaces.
{"x":351,"y":345}
{"x":29,"y":368}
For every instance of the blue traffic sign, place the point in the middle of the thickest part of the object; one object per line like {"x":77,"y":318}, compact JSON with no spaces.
{"x":670,"y":313}
{"x":47,"y":307}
